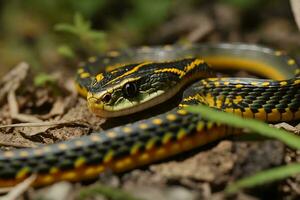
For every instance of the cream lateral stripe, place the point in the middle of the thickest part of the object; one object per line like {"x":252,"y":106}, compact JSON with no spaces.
{"x":172,"y":70}
{"x":136,"y":68}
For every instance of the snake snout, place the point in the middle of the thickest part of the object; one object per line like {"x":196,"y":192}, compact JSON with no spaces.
{"x":93,"y":99}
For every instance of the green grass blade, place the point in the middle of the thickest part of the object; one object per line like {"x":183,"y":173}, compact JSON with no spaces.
{"x":264,"y":177}
{"x":256,"y":126}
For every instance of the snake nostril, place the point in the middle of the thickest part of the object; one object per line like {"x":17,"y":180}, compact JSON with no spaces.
{"x":106,"y":98}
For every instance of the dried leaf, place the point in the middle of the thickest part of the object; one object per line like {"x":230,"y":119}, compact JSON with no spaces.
{"x":288,"y":127}
{"x":12,"y":80}
{"x":14,"y":110}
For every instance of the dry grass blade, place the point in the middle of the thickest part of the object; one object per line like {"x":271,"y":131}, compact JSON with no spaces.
{"x":34,"y":128}
{"x":16,"y":145}
{"x":19,"y":189}
{"x":36,"y":124}
{"x":295,"y":4}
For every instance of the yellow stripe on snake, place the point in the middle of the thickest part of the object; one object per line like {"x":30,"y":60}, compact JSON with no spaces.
{"x":127,"y":82}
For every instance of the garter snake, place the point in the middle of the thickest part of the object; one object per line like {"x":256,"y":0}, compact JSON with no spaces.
{"x":120,"y":83}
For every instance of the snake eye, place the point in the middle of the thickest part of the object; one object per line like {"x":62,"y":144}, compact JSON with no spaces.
{"x":130,"y":90}
{"x":106,"y":98}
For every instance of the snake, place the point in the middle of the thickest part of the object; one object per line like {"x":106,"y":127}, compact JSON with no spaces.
{"x":123,"y":83}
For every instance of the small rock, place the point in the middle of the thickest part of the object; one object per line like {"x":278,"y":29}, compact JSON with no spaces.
{"x":256,"y":156}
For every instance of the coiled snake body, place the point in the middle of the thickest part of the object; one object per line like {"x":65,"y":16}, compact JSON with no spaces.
{"x":118,"y":84}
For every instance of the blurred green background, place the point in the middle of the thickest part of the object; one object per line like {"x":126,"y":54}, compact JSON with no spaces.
{"x":51,"y":34}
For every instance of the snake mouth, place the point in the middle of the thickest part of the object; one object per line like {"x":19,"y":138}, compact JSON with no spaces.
{"x":97,"y":106}
{"x":94,"y":103}
{"x":99,"y":109}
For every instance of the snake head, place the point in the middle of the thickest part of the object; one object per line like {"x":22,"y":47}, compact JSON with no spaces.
{"x":135,"y":87}
{"x":116,"y":99}
{"x":126,"y":96}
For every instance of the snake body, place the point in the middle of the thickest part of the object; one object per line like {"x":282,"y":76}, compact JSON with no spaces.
{"x":170,"y":68}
